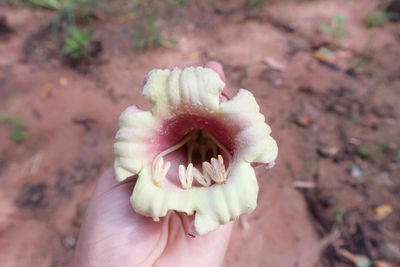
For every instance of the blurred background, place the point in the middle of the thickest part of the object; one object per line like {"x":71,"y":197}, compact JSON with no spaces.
{"x":326,"y":74}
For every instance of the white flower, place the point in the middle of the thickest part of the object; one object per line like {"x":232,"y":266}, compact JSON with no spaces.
{"x":193,"y":153}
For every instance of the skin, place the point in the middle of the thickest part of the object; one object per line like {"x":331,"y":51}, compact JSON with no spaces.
{"x":112,"y":234}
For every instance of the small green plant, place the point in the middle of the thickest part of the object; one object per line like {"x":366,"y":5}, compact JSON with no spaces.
{"x":67,"y":29}
{"x":16,"y":125}
{"x":77,"y":43}
{"x":256,"y":3}
{"x":1,"y":158}
{"x":68,"y":11}
{"x":336,"y":28}
{"x":148,"y":35}
{"x":390,"y":146}
{"x":177,"y":2}
{"x":365,"y":56}
{"x":51,"y":4}
{"x":376,"y":18}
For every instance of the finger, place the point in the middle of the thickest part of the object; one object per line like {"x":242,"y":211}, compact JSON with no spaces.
{"x":203,"y":250}
{"x":227,"y":93}
{"x":217,"y":67}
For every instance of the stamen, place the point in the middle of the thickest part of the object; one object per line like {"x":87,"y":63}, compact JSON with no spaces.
{"x":189,"y":174}
{"x":186,"y":176}
{"x":206,"y":175}
{"x":219,"y":177}
{"x":221,"y":146}
{"x":204,"y":180}
{"x":182,"y":176}
{"x":157,"y":164}
{"x":165,"y":169}
{"x":215,"y":165}
{"x":222,"y":166}
{"x":160,"y":170}
{"x":208,"y":170}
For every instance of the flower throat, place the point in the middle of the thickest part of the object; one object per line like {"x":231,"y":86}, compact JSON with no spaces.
{"x":203,"y":151}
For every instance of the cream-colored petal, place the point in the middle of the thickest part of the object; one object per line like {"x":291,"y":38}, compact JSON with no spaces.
{"x":155,"y":90}
{"x":253,"y":140}
{"x":181,"y":91}
{"x":135,"y":142}
{"x":213,"y":205}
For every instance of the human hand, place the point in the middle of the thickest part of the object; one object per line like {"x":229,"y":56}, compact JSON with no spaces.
{"x":113,"y":234}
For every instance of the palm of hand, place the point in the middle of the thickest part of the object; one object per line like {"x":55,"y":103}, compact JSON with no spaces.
{"x":114,"y":235}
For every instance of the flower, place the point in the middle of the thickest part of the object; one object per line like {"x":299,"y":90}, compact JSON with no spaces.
{"x":194,"y":151}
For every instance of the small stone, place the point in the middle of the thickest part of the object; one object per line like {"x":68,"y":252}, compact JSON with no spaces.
{"x":69,"y":242}
{"x":277,"y":82}
{"x":327,"y":152}
{"x":274,"y":64}
{"x":304,"y":121}
{"x":355,"y":171}
{"x":354,"y":141}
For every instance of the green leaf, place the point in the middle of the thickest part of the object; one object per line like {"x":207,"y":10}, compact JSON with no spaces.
{"x":52,"y":4}
{"x":339,"y":19}
{"x":376,"y":18}
{"x":325,"y":28}
{"x":16,"y":125}
{"x":5,"y":117}
{"x":340,"y":32}
{"x":71,"y":43}
{"x":17,"y":136}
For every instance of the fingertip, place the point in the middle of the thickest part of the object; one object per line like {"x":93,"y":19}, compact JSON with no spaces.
{"x":216,"y":66}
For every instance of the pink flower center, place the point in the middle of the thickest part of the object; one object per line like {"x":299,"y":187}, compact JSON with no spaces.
{"x":197,"y":149}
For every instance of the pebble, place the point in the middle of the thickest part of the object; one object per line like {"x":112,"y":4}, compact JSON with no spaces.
{"x":69,"y":242}
{"x":274,"y":64}
{"x":327,"y":152}
{"x":355,"y":171}
{"x":304,"y":121}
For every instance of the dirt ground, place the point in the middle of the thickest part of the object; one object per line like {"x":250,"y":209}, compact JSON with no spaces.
{"x":332,"y":198}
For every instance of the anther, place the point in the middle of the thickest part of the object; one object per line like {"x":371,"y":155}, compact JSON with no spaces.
{"x":160,"y":170}
{"x":222,"y":166}
{"x":204,"y":180}
{"x":219,"y":171}
{"x":209,"y":170}
{"x":186,"y":176}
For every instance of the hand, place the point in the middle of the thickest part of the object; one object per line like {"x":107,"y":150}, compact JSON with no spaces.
{"x":112,"y":233}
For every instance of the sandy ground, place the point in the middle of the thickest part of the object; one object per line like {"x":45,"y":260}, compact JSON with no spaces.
{"x":46,"y":181}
